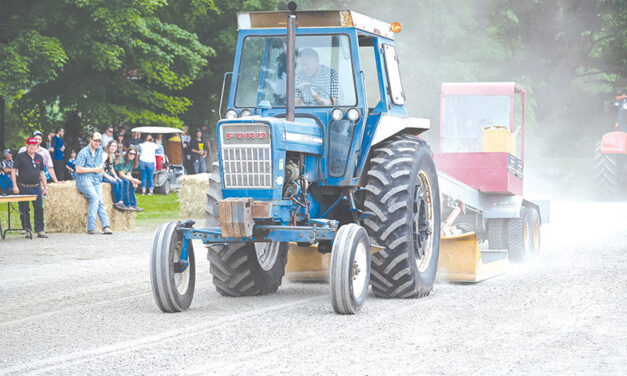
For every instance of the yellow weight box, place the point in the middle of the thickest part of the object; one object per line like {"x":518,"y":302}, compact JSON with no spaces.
{"x":499,"y":139}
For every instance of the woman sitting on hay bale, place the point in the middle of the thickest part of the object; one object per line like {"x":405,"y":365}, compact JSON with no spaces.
{"x":109,"y":176}
{"x":124,"y":165}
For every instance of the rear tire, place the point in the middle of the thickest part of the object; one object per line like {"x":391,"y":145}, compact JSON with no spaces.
{"x":535,"y":239}
{"x":164,"y":189}
{"x":519,"y":250}
{"x":349,"y":271}
{"x":242,"y":269}
{"x":402,"y":192}
{"x":497,"y":233}
{"x":173,"y":290}
{"x":607,"y":175}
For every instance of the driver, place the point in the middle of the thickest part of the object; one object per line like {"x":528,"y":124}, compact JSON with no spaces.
{"x":315,"y":84}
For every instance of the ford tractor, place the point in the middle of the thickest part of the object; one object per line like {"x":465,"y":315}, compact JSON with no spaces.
{"x":316,"y":149}
{"x":610,"y":160}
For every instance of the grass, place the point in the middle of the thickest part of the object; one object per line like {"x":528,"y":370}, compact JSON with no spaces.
{"x":158,"y":209}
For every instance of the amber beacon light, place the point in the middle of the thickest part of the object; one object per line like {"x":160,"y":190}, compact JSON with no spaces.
{"x":396,"y":27}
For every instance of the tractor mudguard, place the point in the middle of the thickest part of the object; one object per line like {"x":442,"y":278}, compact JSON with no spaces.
{"x":614,"y":143}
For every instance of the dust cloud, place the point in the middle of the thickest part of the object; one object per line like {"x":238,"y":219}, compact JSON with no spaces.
{"x":549,"y":47}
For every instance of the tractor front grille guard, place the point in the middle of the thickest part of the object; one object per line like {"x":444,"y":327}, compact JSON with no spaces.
{"x":246,"y":156}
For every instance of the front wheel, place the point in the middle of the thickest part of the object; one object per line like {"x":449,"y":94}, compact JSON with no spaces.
{"x":172,"y":275}
{"x":349,"y":272}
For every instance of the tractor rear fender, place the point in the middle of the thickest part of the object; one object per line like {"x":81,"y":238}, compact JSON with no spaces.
{"x":614,"y":143}
{"x":387,"y":126}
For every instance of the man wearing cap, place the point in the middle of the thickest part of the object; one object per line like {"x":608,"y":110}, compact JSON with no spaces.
{"x":45,"y":154}
{"x":89,"y":162}
{"x":30,"y":181}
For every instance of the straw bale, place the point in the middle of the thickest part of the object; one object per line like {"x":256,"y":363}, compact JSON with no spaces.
{"x":193,"y":195}
{"x":65,"y":210}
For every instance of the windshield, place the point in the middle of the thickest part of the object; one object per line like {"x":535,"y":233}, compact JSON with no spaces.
{"x":465,"y":116}
{"x":324,"y":72}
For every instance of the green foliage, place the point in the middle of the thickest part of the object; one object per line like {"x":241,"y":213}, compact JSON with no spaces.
{"x":88,"y":63}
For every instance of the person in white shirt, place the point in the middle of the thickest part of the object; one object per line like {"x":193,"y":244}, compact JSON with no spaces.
{"x":147,"y":163}
{"x":107,"y":136}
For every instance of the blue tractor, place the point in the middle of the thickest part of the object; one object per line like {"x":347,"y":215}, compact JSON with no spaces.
{"x":316,"y":149}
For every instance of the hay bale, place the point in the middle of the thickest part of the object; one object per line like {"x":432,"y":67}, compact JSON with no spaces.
{"x":65,"y":210}
{"x":193,"y":195}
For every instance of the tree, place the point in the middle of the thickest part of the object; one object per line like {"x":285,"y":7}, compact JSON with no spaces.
{"x":107,"y":61}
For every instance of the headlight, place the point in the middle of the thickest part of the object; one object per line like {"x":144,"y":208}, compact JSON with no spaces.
{"x":337,"y":114}
{"x":231,"y":114}
{"x":353,"y":114}
{"x":247,"y":112}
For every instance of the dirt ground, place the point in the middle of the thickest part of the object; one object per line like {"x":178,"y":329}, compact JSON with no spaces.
{"x":79,"y":304}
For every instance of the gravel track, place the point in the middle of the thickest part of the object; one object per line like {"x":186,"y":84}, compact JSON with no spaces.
{"x":79,"y":304}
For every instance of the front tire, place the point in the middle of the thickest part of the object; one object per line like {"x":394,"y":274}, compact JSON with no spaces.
{"x":403,"y":194}
{"x":349,"y":271}
{"x":172,"y":282}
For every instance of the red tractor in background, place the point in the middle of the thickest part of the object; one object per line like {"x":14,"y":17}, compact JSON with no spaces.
{"x":611,"y":155}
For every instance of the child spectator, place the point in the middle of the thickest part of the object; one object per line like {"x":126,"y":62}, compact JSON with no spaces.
{"x":5,"y":172}
{"x":124,"y":165}
{"x":71,"y":165}
{"x":109,"y":175}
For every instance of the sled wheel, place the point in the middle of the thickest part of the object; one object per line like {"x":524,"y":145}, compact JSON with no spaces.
{"x":349,"y":272}
{"x":533,"y":222}
{"x":172,"y":278}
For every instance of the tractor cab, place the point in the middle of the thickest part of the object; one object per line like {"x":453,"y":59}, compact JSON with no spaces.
{"x":347,"y":80}
{"x":482,"y":129}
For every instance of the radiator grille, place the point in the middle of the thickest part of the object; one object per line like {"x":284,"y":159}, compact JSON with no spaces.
{"x":247,"y":163}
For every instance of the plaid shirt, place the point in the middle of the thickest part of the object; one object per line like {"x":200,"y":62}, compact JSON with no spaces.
{"x":86,"y":159}
{"x":325,"y":83}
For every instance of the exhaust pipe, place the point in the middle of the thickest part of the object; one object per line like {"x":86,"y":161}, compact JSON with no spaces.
{"x":290,"y":71}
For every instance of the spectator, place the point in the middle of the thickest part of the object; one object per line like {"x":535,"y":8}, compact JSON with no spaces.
{"x":107,"y":136}
{"x":48,"y":144}
{"x":57,"y":148}
{"x":71,"y":166}
{"x":89,"y":163}
{"x":198,"y":153}
{"x":109,"y":175}
{"x":147,"y":161}
{"x":187,"y":156}
{"x":5,"y":172}
{"x":121,"y":145}
{"x":48,"y":165}
{"x":206,"y":140}
{"x":30,"y":181}
{"x":124,"y":167}
{"x":137,"y":139}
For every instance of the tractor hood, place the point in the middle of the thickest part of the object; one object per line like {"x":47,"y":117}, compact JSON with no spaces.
{"x":303,"y":135}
